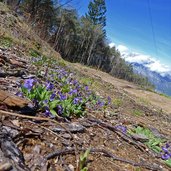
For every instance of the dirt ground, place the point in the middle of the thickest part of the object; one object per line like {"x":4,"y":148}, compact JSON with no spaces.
{"x":160,"y":102}
{"x":26,"y":143}
{"x":113,"y":150}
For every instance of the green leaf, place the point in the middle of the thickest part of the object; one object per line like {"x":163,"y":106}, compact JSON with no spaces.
{"x":156,"y":142}
{"x":84,"y":169}
{"x":42,"y":95}
{"x":87,"y":153}
{"x":53,"y":104}
{"x":53,"y":112}
{"x":83,"y":159}
{"x":156,"y":149}
{"x":168,"y":162}
{"x":94,"y":102}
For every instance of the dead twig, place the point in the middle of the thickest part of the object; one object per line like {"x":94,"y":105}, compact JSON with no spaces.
{"x":53,"y":133}
{"x":36,"y":118}
{"x":106,"y":153}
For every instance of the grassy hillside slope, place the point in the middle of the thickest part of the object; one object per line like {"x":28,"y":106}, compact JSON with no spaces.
{"x":127,"y":134}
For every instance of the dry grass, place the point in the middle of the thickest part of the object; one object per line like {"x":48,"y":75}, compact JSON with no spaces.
{"x":22,"y":34}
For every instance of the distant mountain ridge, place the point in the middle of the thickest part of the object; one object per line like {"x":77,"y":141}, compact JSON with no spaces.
{"x":162,"y":83}
{"x":144,"y":65}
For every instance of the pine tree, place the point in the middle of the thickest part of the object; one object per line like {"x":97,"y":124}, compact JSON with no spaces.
{"x":97,"y":13}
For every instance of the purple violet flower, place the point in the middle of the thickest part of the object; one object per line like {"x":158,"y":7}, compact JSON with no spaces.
{"x":60,"y":109}
{"x":86,"y":88}
{"x":75,"y":82}
{"x":52,"y":97}
{"x":76,"y":100}
{"x":78,"y":86}
{"x":165,"y":149}
{"x":121,"y":128}
{"x":109,"y":100}
{"x":47,"y":111}
{"x":28,"y":83}
{"x":167,"y":145}
{"x":73,"y":92}
{"x":62,"y":96}
{"x":166,"y":152}
{"x":49,"y":86}
{"x":45,"y":101}
{"x":100,"y":103}
{"x":19,"y":94}
{"x":165,"y":156}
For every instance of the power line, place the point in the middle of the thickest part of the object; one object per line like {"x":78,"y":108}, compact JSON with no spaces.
{"x":152,"y":27}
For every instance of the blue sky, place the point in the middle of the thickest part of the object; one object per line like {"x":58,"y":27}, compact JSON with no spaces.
{"x":144,"y":26}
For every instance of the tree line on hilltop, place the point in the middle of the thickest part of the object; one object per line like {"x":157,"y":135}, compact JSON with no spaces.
{"x":78,"y":39}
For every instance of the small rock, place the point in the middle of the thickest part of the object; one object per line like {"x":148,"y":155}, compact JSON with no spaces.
{"x":58,"y":129}
{"x":28,"y":76}
{"x":16,"y":122}
{"x":51,"y":145}
{"x":12,"y":132}
{"x":140,"y":137}
{"x":71,"y":167}
{"x":72,"y":127}
{"x":88,"y":124}
{"x":76,"y":127}
{"x":66,"y":136}
{"x":66,"y":143}
{"x":37,"y":149}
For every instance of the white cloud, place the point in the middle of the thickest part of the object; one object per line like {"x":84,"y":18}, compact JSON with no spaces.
{"x":158,"y":67}
{"x":148,"y":61}
{"x":122,"y":48}
{"x":112,"y":45}
{"x":135,"y":57}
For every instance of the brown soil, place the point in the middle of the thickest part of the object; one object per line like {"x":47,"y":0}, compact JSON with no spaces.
{"x":157,"y":100}
{"x":36,"y":139}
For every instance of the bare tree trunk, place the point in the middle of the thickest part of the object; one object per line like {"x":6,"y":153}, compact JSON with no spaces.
{"x":57,"y":34}
{"x":90,"y":52}
{"x":94,"y":41}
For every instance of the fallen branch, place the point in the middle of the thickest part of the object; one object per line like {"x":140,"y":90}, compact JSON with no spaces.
{"x":35,"y":118}
{"x":52,"y":132}
{"x":125,"y":137}
{"x":105,"y":153}
{"x":14,"y":73}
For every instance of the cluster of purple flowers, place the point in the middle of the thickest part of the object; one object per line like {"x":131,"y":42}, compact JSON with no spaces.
{"x":166,"y":151}
{"x":62,"y":87}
